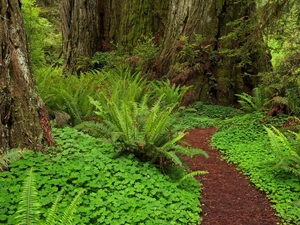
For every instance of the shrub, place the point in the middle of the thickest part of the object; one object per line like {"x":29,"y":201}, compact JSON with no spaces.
{"x":145,"y":131}
{"x":69,"y":93}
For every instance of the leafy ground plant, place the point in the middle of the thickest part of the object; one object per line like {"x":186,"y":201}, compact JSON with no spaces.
{"x":142,"y":130}
{"x":28,"y":211}
{"x":286,"y":151}
{"x":244,"y":142}
{"x":69,"y":93}
{"x":117,"y":191}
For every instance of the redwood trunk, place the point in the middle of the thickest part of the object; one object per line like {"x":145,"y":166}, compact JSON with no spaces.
{"x":23,"y":119}
{"x":81,"y":30}
{"x":215,"y":76}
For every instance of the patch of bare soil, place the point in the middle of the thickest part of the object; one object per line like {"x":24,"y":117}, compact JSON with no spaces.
{"x":228,"y":197}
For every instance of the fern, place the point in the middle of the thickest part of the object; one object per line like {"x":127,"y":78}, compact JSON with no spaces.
{"x":255,"y":102}
{"x":286,"y":151}
{"x":135,"y":121}
{"x":52,"y":214}
{"x":68,"y":213}
{"x":28,"y":211}
{"x":172,"y":93}
{"x":10,"y":156}
{"x":192,"y":174}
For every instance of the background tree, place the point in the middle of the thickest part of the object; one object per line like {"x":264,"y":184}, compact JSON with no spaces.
{"x":190,"y":35}
{"x":82,"y":29}
{"x":23,"y":118}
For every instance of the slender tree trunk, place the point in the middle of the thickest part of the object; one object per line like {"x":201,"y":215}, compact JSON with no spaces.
{"x":23,"y":118}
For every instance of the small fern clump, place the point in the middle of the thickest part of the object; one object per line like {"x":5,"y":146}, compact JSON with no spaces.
{"x":286,"y":151}
{"x":172,"y":93}
{"x":255,"y":102}
{"x":28,"y":212}
{"x":69,"y":93}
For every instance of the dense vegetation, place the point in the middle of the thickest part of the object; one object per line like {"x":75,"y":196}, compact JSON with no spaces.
{"x":118,"y":135}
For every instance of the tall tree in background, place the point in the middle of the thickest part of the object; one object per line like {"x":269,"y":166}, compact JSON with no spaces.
{"x":82,"y":22}
{"x":190,"y":34}
{"x":46,"y":3}
{"x":23,"y":118}
{"x":194,"y":49}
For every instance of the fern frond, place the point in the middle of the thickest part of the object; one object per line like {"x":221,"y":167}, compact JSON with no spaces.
{"x":11,"y":155}
{"x":171,"y":155}
{"x":28,"y":211}
{"x":288,"y":155}
{"x":52,"y":214}
{"x":278,"y":142}
{"x":68,"y":213}
{"x":192,"y":174}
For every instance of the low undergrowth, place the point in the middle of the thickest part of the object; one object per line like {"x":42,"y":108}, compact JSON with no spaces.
{"x":244,"y":141}
{"x":117,"y":191}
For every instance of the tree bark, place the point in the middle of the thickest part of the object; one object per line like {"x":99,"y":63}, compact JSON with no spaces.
{"x":175,"y":25}
{"x":23,"y":119}
{"x":81,"y":30}
{"x":46,"y":3}
{"x":91,"y":26}
{"x":214,"y":75}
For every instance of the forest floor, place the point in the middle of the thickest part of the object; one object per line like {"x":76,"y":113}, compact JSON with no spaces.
{"x":228,"y":197}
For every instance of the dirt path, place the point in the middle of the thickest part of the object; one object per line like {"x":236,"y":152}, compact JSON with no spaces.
{"x":228,"y":197}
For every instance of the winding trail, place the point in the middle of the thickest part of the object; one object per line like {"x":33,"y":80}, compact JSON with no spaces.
{"x":228,"y":197}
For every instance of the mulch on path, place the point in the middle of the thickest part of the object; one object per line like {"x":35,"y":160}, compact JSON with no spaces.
{"x":228,"y":197}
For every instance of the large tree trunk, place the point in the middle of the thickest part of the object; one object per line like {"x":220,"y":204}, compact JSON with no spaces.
{"x":23,"y":119}
{"x":81,"y":29}
{"x":46,"y":3}
{"x":91,"y":26}
{"x":201,"y":25}
{"x":189,"y":33}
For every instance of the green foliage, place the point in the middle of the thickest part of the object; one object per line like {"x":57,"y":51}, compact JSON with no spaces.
{"x":123,"y":85}
{"x":28,"y":206}
{"x":98,"y":61}
{"x":137,"y":120}
{"x":10,"y":156}
{"x":286,"y":151}
{"x":281,"y":28}
{"x":205,"y":115}
{"x":257,"y":102}
{"x":28,"y":211}
{"x":216,"y":111}
{"x":117,"y":191}
{"x":40,"y":33}
{"x":144,"y":53}
{"x":172,"y":93}
{"x":194,"y":53}
{"x":283,"y":82}
{"x":243,"y":141}
{"x":69,"y":93}
{"x":145,"y":131}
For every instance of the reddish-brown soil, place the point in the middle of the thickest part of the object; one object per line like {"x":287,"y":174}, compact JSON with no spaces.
{"x":228,"y":197}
